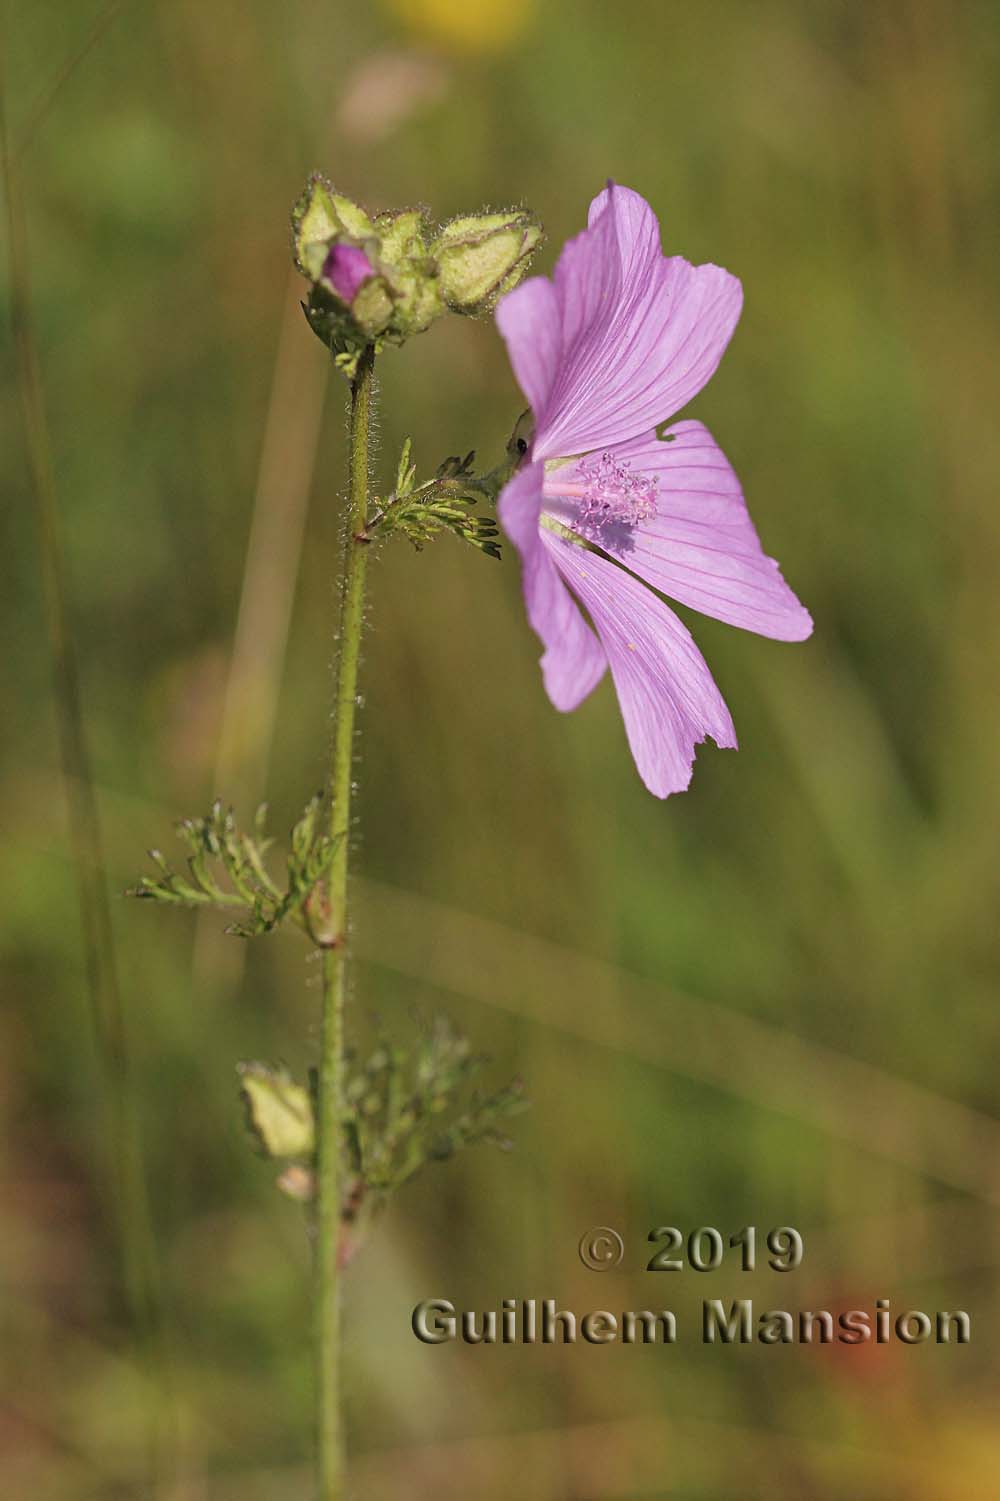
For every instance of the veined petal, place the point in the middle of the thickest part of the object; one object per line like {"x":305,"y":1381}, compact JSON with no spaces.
{"x":529,"y":320}
{"x":668,"y":699}
{"x":701,"y":547}
{"x":639,"y":333}
{"x":574,"y":661}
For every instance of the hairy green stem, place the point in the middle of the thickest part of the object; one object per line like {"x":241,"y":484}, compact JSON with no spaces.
{"x":130,"y":1205}
{"x":330,"y":1448}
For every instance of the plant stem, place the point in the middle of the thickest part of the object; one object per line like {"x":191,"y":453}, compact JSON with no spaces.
{"x":130,"y":1204}
{"x":331,"y":1073}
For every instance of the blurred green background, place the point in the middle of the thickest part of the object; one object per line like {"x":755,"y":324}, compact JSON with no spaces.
{"x":769,"y":1001}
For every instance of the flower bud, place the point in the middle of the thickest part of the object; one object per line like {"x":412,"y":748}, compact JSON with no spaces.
{"x":481,"y":256}
{"x":279,"y":1111}
{"x":372,"y":278}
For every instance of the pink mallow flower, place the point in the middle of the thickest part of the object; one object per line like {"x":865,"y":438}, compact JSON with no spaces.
{"x":612,"y":346}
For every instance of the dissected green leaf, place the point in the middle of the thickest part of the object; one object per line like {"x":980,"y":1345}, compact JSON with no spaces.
{"x":226,"y":868}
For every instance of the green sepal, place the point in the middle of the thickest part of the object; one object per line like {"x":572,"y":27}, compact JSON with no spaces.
{"x":320,"y":217}
{"x":482,"y":256}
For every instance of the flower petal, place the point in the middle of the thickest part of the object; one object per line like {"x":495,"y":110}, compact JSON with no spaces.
{"x":668,"y":699}
{"x":346,"y":268}
{"x":530,"y":323}
{"x":639,"y":334}
{"x":701,"y":547}
{"x":574,"y":661}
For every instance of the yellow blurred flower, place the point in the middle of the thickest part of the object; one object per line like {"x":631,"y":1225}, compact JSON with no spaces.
{"x":466,"y":25}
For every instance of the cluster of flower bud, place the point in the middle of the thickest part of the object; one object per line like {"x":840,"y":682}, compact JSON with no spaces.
{"x":383,"y":278}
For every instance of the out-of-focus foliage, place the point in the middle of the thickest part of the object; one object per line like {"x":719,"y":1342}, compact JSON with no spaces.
{"x":488,"y":26}
{"x":769,"y":1001}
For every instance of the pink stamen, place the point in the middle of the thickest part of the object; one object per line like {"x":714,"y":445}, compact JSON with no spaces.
{"x":609,"y":495}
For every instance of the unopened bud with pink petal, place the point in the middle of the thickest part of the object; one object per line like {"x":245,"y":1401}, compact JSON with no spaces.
{"x":379,"y":278}
{"x":373,"y":280}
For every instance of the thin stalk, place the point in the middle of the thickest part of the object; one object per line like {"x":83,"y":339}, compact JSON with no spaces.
{"x":130,"y":1205}
{"x":334,"y":943}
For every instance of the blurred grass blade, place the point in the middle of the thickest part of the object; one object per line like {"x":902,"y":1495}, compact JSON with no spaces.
{"x":751,"y":1059}
{"x":69,"y":67}
{"x":130,"y":1203}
